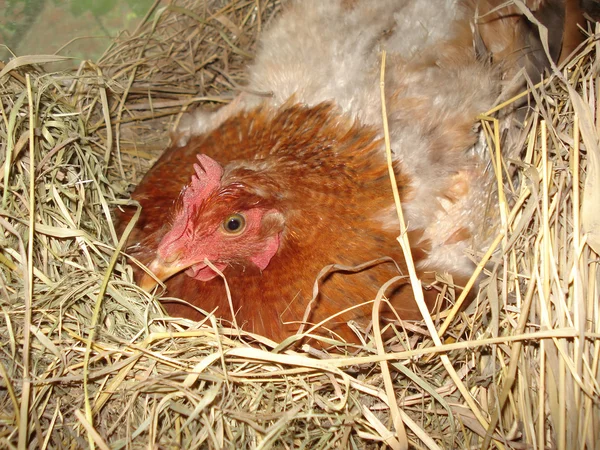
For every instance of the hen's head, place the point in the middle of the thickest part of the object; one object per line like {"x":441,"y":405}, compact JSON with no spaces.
{"x":226,"y":223}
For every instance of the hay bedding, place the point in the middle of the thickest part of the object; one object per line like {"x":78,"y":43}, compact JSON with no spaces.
{"x":88,"y":359}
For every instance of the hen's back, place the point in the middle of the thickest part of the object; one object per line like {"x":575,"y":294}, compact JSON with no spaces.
{"x":448,"y":61}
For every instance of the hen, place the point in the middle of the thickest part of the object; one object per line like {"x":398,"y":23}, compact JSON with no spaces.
{"x":291,"y":177}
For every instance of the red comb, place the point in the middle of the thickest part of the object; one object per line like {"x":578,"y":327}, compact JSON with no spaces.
{"x":207,"y":178}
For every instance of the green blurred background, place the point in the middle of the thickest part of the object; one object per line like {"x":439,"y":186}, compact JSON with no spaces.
{"x":29,"y":27}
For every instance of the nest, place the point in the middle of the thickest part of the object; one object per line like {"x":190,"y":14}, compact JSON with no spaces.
{"x":89,"y":359}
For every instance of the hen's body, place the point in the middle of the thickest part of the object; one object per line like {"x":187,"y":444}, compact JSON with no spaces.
{"x":316,"y":171}
{"x":322,"y":195}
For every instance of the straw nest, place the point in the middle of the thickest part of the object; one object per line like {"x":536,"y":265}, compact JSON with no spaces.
{"x":87,"y":358}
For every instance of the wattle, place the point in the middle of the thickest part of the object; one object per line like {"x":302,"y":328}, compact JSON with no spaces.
{"x":202,"y":272}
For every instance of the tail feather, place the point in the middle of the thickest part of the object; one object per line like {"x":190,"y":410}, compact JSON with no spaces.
{"x":506,"y":36}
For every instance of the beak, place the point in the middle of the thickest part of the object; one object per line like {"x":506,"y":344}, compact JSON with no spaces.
{"x":161,"y":270}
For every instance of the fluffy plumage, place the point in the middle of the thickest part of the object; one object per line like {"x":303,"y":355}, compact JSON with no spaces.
{"x":273,"y":188}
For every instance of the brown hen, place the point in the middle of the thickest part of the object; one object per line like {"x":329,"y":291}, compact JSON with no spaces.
{"x":274,"y":188}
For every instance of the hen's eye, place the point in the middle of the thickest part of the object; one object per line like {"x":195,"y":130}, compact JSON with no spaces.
{"x":234,"y":224}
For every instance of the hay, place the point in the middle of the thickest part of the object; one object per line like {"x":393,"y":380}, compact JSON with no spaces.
{"x":90,"y":359}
